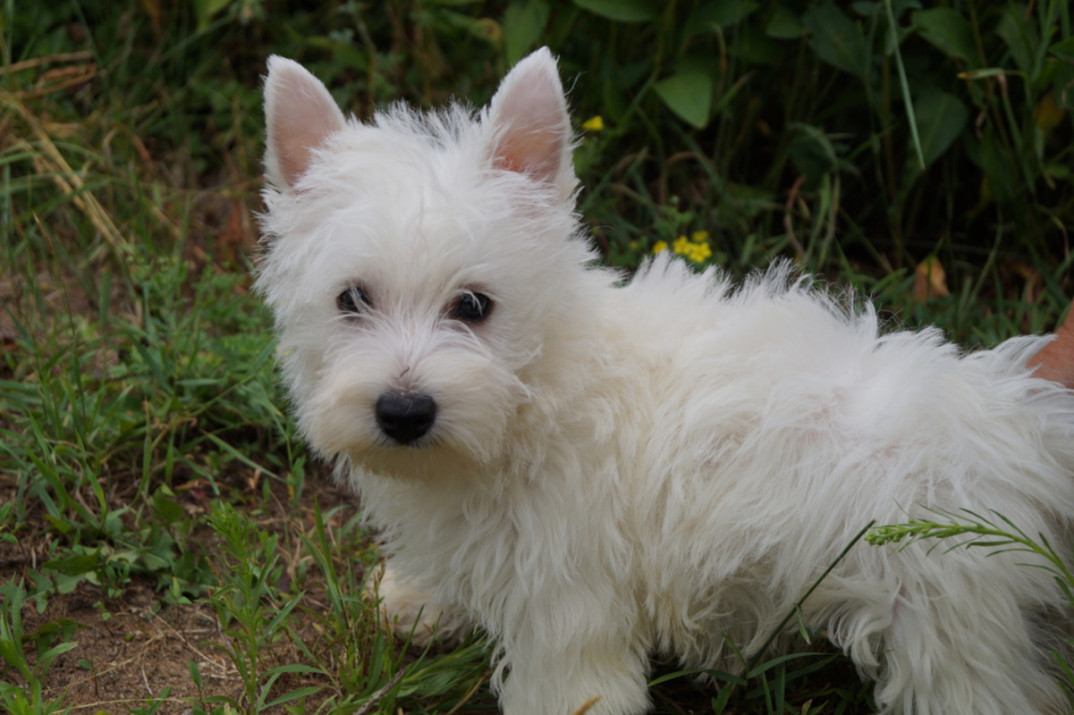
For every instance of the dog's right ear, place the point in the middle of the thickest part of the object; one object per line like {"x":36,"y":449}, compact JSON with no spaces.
{"x":299,"y":115}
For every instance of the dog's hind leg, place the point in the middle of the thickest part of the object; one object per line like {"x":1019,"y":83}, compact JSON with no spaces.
{"x":953,"y":650}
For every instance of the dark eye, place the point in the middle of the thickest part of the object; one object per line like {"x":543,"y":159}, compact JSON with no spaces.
{"x":353,"y":300}
{"x":472,"y":307}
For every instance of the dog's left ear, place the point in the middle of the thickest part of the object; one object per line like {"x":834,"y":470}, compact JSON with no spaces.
{"x":531,"y":131}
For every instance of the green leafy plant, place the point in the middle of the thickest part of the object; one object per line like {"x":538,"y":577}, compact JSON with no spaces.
{"x":996,"y":533}
{"x":252,"y":612}
{"x":28,"y":697}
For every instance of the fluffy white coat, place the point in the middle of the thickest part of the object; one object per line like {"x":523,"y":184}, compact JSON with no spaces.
{"x":662,"y":466}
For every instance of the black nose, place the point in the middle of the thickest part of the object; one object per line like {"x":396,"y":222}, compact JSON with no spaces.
{"x":405,"y":417}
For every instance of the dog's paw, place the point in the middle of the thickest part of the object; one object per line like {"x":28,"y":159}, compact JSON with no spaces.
{"x":412,"y":613}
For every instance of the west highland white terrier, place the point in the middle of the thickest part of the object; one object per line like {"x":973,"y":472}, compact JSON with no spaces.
{"x":593,"y":472}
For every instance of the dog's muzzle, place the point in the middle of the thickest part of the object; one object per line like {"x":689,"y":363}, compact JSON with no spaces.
{"x":405,"y":417}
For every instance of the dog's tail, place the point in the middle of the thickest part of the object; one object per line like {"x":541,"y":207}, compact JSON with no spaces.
{"x":1056,"y":360}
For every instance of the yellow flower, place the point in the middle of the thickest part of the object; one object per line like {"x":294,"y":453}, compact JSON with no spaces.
{"x":593,"y":124}
{"x":696,"y":248}
{"x":699,"y":252}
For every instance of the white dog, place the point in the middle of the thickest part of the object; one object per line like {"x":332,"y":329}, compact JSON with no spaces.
{"x":594,"y":472}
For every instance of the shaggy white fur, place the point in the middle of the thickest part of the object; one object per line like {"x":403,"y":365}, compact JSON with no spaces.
{"x":594,"y":472}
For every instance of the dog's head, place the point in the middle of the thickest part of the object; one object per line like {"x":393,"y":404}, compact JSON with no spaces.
{"x":416,"y":265}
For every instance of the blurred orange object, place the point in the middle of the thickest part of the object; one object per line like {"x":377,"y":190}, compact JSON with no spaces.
{"x":1056,"y":360}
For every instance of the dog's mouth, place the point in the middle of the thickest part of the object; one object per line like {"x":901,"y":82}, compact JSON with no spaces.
{"x":429,"y":441}
{"x":429,"y":458}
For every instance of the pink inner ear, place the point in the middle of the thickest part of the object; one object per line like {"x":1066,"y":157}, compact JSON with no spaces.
{"x":299,"y":131}
{"x":534,"y":151}
{"x":300,"y":115}
{"x":531,"y":113}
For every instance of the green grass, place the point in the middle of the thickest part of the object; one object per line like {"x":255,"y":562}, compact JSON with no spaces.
{"x":158,"y":513}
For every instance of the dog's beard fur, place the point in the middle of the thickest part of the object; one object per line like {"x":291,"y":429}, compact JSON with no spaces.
{"x":664,"y":466}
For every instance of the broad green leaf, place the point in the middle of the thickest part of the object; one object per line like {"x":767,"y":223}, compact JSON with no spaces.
{"x":755,"y":46}
{"x":522,"y":26}
{"x":1058,"y":171}
{"x":55,"y":651}
{"x":1020,"y":36}
{"x":166,"y":506}
{"x":812,"y":152}
{"x":784,"y":24}
{"x":836,"y":39}
{"x":294,"y":695}
{"x":948,"y":31}
{"x":205,"y":10}
{"x":1064,"y":50}
{"x":688,"y":94}
{"x":941,"y":117}
{"x":722,"y":13}
{"x":75,"y":565}
{"x":621,"y":10}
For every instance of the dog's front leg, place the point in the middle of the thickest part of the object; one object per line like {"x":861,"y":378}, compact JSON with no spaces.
{"x":602,"y":674}
{"x":413,"y":613}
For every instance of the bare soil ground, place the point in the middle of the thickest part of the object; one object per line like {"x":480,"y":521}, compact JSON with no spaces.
{"x":136,"y":649}
{"x":128,"y":652}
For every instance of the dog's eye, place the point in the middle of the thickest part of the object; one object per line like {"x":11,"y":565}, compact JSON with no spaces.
{"x":353,"y":300}
{"x":472,"y":307}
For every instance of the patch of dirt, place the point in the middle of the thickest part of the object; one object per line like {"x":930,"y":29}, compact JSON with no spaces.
{"x":130,"y":653}
{"x":132,"y":649}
